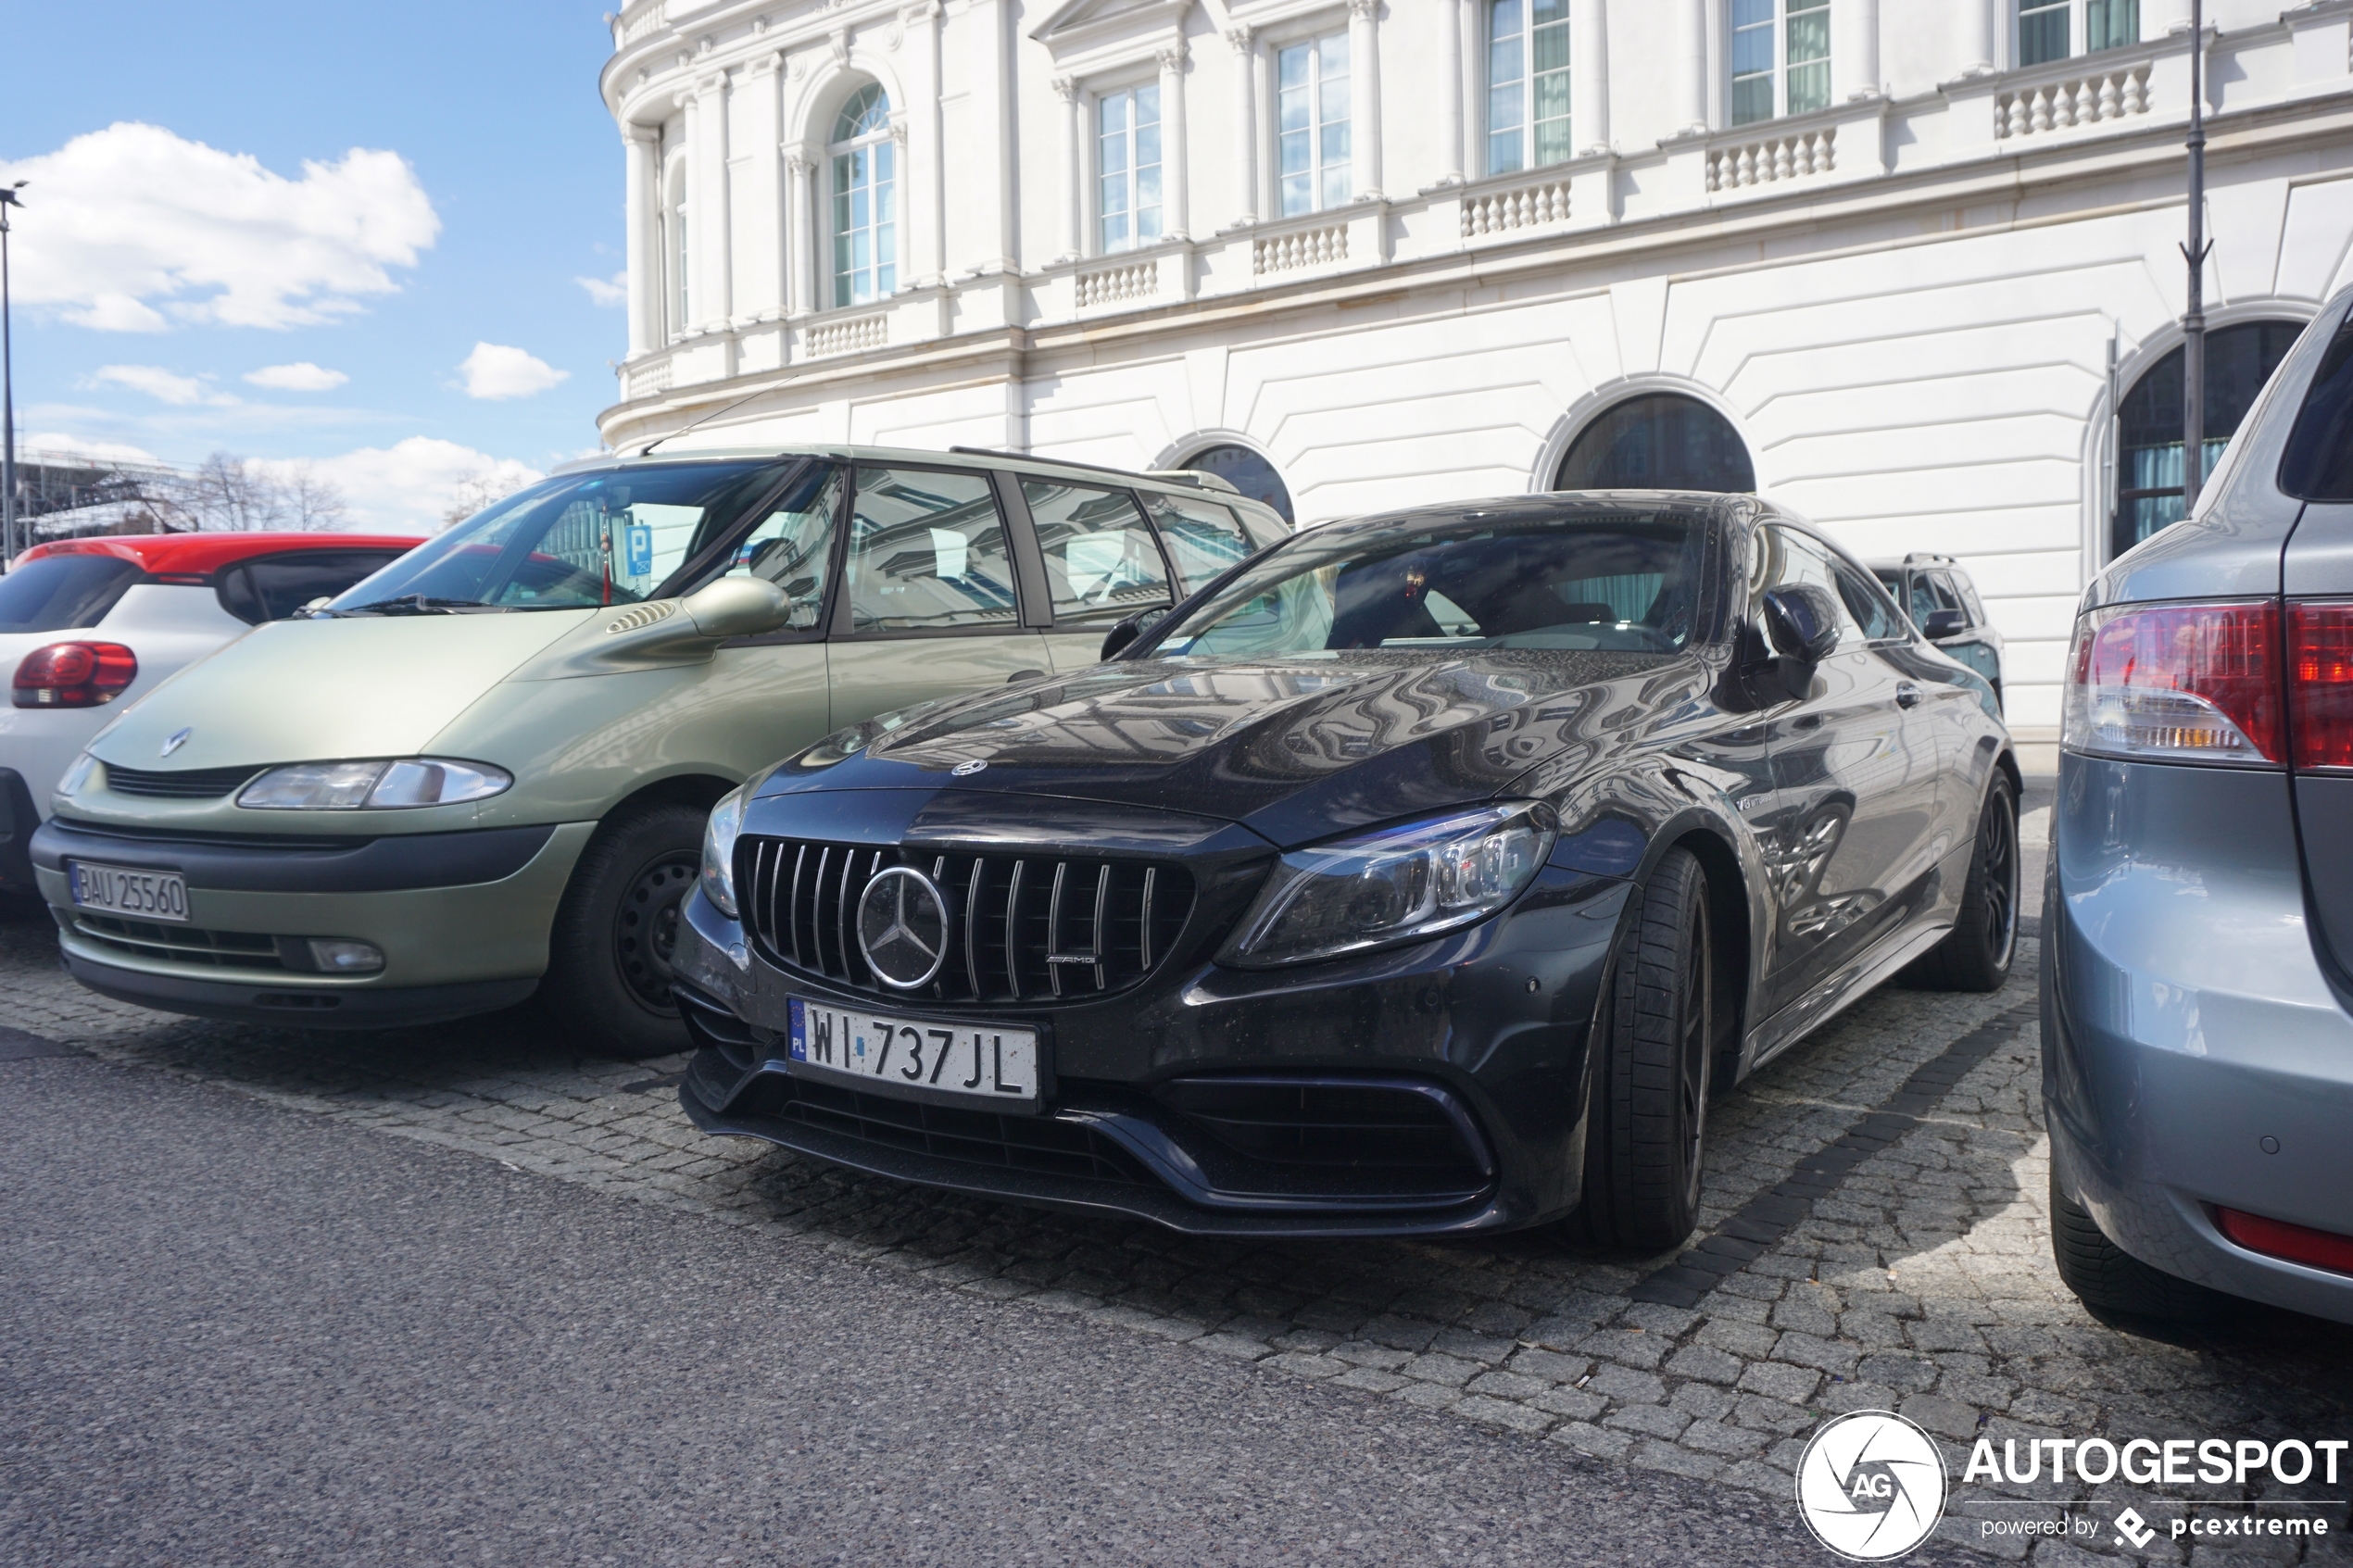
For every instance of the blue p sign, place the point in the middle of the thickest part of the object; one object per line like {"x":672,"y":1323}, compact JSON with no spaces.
{"x":641,"y":550}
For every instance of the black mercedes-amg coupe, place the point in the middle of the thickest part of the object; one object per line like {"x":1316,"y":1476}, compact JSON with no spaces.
{"x":1422,"y":874}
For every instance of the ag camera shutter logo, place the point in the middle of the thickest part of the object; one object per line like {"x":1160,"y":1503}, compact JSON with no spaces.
{"x":1871,"y":1486}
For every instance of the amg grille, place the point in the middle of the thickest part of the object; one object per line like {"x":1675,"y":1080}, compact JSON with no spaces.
{"x":1024,"y":928}
{"x":187,"y":784}
{"x":181,"y":944}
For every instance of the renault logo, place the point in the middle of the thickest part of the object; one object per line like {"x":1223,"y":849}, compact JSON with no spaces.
{"x":176,"y":739}
{"x":902,"y":928}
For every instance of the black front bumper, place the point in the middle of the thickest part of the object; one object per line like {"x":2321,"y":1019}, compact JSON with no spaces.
{"x":1098,"y":1149}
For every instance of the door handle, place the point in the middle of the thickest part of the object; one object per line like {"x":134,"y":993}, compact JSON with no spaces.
{"x":1907,"y":695}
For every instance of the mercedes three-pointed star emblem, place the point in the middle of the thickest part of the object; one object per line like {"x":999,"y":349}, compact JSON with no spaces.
{"x":902,"y":928}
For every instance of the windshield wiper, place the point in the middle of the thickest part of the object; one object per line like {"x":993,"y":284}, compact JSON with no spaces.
{"x":414,"y":604}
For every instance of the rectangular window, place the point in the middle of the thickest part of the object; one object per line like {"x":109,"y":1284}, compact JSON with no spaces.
{"x":927,"y":553}
{"x":2043,"y":30}
{"x":1312,"y":145}
{"x":1780,"y":58}
{"x":1526,"y":84}
{"x":2110,"y":24}
{"x":1128,"y":166}
{"x":1101,"y":561}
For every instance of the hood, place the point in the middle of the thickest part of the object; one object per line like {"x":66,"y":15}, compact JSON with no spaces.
{"x":300,"y":691}
{"x":1295,"y":749}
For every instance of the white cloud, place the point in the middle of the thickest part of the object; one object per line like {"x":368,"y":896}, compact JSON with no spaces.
{"x":158,"y":384}
{"x":32,"y":448}
{"x":300,"y":376}
{"x":494,"y":370}
{"x":406,"y":487}
{"x":131,"y":227}
{"x":607,"y":291}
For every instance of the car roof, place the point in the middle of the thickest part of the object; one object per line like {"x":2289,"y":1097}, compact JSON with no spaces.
{"x":200,"y":554}
{"x":961,"y":456}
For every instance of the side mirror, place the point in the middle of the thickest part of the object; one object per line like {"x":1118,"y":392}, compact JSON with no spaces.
{"x":1125,"y":632}
{"x":1943,"y":624}
{"x":1801,"y":621}
{"x":738,"y":607}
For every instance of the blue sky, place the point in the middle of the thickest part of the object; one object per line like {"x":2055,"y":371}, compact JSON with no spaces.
{"x":155,"y":278}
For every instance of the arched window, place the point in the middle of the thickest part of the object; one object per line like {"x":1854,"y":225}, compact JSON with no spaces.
{"x":2149,"y":488}
{"x":1248,"y":472}
{"x":1658,"y":441}
{"x":866,"y":215}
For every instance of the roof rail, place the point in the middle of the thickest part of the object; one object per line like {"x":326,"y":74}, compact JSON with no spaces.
{"x":1933,"y":556}
{"x":1178,"y":476}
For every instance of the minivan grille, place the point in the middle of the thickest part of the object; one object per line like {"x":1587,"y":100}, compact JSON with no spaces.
{"x":187,"y":784}
{"x":1024,"y":928}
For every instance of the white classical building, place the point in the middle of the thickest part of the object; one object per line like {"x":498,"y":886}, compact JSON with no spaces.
{"x":1908,"y":266}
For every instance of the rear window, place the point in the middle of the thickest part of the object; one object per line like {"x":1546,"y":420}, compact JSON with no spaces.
{"x":275,"y":586}
{"x":62,"y":593}
{"x":2318,"y":465}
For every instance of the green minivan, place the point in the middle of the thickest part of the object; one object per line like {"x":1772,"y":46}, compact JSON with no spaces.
{"x":484,"y":772}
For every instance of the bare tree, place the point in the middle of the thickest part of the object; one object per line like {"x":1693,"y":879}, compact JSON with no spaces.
{"x":310,"y":500}
{"x":476,"y":492}
{"x":227,"y":493}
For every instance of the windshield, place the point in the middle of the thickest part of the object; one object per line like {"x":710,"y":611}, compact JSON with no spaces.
{"x":606,"y":537}
{"x":1626,"y":581}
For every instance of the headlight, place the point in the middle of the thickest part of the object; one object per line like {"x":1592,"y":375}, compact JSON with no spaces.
{"x":384,"y":785}
{"x":1399,"y":885}
{"x":719,"y":852}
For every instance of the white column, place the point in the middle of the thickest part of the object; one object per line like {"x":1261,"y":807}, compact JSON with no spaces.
{"x":1245,"y":123}
{"x":1074,"y":153}
{"x":1690,"y":65}
{"x":641,"y":145}
{"x":1364,"y":108}
{"x":1854,"y":49}
{"x":764,"y":216}
{"x":1973,"y":42}
{"x":1449,"y":72}
{"x":1175,"y":205}
{"x":2164,"y":17}
{"x":982,"y":29}
{"x":707,"y":198}
{"x":803,"y":231}
{"x":1588,"y":74}
{"x":926,"y":265}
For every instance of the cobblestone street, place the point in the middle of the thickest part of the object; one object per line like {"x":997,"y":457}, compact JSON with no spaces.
{"x":1876,"y":1237}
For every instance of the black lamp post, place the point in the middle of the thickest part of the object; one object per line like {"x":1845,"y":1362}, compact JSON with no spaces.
{"x":2194,"y":318}
{"x":7,"y":392}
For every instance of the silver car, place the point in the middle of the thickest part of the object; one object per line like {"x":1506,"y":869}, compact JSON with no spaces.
{"x":2197,"y":978}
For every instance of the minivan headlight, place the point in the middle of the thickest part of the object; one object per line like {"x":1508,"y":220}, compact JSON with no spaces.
{"x":1399,"y":885}
{"x":719,"y":852}
{"x":384,"y":784}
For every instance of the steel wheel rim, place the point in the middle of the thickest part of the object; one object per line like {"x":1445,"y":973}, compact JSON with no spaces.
{"x":644,"y":930}
{"x":1999,"y":852}
{"x":1699,"y":996}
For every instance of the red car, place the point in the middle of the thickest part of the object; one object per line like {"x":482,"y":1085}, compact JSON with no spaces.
{"x":89,"y":624}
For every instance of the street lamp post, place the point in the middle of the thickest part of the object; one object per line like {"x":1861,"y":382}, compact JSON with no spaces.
{"x":2194,"y":318}
{"x":7,"y":392}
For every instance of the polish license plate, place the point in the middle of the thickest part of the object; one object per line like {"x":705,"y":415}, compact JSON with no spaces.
{"x":986,"y":1062}
{"x":128,"y":890}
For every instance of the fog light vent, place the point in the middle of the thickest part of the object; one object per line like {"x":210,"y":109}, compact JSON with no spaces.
{"x":2296,"y":1244}
{"x":339,"y":955}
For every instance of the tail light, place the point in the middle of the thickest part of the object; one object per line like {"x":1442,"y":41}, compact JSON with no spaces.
{"x":2319,"y":658}
{"x":2183,"y":683}
{"x":74,"y":675}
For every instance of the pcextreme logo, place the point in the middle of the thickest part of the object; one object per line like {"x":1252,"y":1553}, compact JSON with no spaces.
{"x":1871,"y":1486}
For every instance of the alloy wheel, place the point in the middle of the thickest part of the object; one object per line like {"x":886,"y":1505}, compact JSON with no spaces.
{"x":1997,"y":852}
{"x":1699,"y":1033}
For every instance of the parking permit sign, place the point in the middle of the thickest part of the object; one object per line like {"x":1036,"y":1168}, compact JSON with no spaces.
{"x":641,"y":550}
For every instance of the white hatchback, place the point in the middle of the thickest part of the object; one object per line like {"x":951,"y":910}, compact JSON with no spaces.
{"x":89,"y":624}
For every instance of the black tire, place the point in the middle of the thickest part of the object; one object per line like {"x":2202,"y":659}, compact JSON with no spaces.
{"x":1977,"y":956}
{"x":608,"y":954}
{"x":2106,"y":1278}
{"x":1653,"y":1056}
